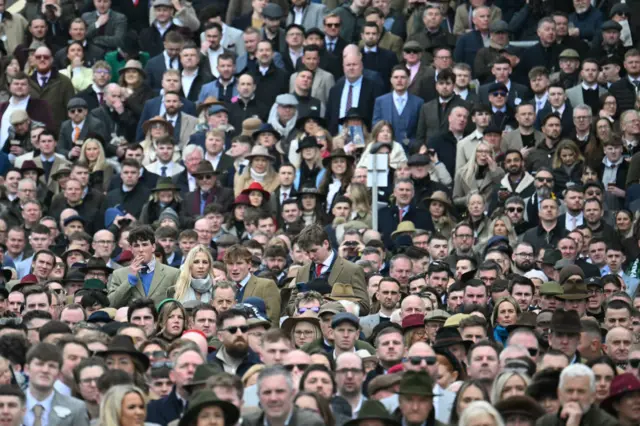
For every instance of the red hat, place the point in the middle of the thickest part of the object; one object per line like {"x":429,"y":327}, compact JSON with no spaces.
{"x":398,"y":368}
{"x":125,"y":256}
{"x":27,"y":280}
{"x":413,"y":320}
{"x":621,"y":385}
{"x":255,"y":186}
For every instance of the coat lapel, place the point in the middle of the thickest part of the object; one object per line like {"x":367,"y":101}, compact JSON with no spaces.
{"x":158,"y":276}
{"x":336,"y":270}
{"x":58,"y":407}
{"x":250,"y":287}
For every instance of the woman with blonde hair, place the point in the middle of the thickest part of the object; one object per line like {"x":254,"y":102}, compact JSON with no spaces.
{"x":480,"y":413}
{"x":309,"y":169}
{"x":383,"y":132}
{"x":505,"y":313}
{"x":480,"y":174}
{"x":172,"y":320}
{"x":361,"y":202}
{"x":567,"y":165}
{"x":100,"y":171}
{"x":155,"y":130}
{"x":308,"y":125}
{"x":123,"y":405}
{"x":302,"y":330}
{"x":499,"y":226}
{"x":196,"y":278}
{"x":260,"y":169}
{"x":509,"y":383}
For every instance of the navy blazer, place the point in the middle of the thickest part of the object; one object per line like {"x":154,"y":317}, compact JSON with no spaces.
{"x":388,"y":220}
{"x":404,"y":125}
{"x":382,"y":61}
{"x":467,"y":47}
{"x":155,"y":68}
{"x":368,"y":94}
{"x":566,"y":119}
{"x":152,"y":108}
{"x":518,"y":91}
{"x":165,"y":410}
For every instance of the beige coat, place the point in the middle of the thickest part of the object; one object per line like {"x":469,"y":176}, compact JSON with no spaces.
{"x":463,"y":187}
{"x":13,"y":26}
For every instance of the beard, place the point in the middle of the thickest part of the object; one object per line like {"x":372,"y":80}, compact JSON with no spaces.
{"x":525,"y":267}
{"x":543,"y":192}
{"x":238,"y":349}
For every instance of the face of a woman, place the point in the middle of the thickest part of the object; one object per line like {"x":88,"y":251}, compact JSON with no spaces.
{"x":623,"y":221}
{"x":158,"y":130}
{"x":436,"y":209}
{"x":165,"y":197}
{"x":259,"y":164}
{"x":470,"y":394}
{"x":588,"y":174}
{"x":308,"y":202}
{"x":75,"y":51}
{"x":255,"y":198}
{"x":603,"y":129}
{"x":210,"y":416}
{"x":175,"y":323}
{"x":514,"y":386}
{"x":568,"y":157}
{"x":445,"y":377}
{"x":310,"y":127}
{"x":339,"y":166}
{"x":13,"y":67}
{"x":482,"y":420}
{"x":131,"y":77}
{"x":303,"y":333}
{"x":476,"y":206}
{"x":238,"y":212}
{"x":308,"y":403}
{"x":610,"y":105}
{"x":384,"y":135}
{"x":322,"y":140}
{"x":92,"y":152}
{"x":319,"y":382}
{"x":604,"y":376}
{"x":267,"y":140}
{"x":309,"y":153}
{"x":133,"y":410}
{"x":506,"y":314}
{"x":499,"y":228}
{"x":482,"y":153}
{"x":201,"y":266}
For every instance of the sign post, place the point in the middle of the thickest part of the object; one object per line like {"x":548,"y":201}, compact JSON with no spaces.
{"x":377,"y":171}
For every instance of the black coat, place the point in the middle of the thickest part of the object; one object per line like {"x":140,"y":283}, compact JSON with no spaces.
{"x":275,"y":82}
{"x":240,"y":111}
{"x":165,"y":410}
{"x":537,"y":55}
{"x":151,"y":41}
{"x":123,"y":125}
{"x":382,"y":62}
{"x":129,"y":202}
{"x":625,"y":94}
{"x":148,"y":179}
{"x":539,"y":238}
{"x":388,"y":219}
{"x":90,"y":96}
{"x":92,"y":202}
{"x":249,"y":361}
{"x":219,"y":195}
{"x":92,"y":54}
{"x":445,"y":146}
{"x":368,"y":94}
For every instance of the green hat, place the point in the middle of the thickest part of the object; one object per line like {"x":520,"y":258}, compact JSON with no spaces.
{"x":575,"y":292}
{"x":207,"y":398}
{"x":416,"y":383}
{"x":165,"y":184}
{"x":94,"y":284}
{"x":551,"y":288}
{"x":161,"y":304}
{"x":202,"y":374}
{"x":373,"y":410}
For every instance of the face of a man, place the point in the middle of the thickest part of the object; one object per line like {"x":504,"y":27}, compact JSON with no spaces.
{"x":276,"y":397}
{"x":576,"y":389}
{"x":483,"y":363}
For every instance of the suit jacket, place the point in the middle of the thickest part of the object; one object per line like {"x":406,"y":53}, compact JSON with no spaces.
{"x":191,"y":202}
{"x":114,"y":31}
{"x":424,"y":83}
{"x":242,"y":63}
{"x":185,"y":127}
{"x":268,"y":291}
{"x":38,"y":110}
{"x":92,"y":54}
{"x":368,"y":323}
{"x":566,"y":119}
{"x":518,"y":91}
{"x":342,"y":271}
{"x":323,"y":81}
{"x":574,"y":94}
{"x":432,"y":120}
{"x":368,"y":94}
{"x":57,"y":163}
{"x":67,"y":411}
{"x":152,"y":108}
{"x":121,"y":293}
{"x":155,"y":69}
{"x":90,"y":96}
{"x":274,"y":202}
{"x":312,"y":16}
{"x":194,"y":91}
{"x":513,"y":140}
{"x":67,"y":130}
{"x":389,"y":218}
{"x":164,"y":410}
{"x":467,"y":47}
{"x":381,"y":61}
{"x":405,"y":124}
{"x":299,"y":417}
{"x":57,"y":92}
{"x":155,"y":168}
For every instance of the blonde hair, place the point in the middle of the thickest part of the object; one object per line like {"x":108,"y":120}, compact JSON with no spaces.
{"x":100,"y":163}
{"x":216,"y":133}
{"x":184,"y":279}
{"x":317,"y":160}
{"x":360,"y":200}
{"x":469,"y":170}
{"x":566,"y":144}
{"x":501,"y":380}
{"x":111,"y":404}
{"x":477,"y":408}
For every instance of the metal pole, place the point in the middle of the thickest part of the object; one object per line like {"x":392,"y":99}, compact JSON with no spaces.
{"x":374,"y":202}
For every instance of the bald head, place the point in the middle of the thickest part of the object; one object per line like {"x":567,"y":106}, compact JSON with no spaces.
{"x":412,"y":305}
{"x":617,"y":344}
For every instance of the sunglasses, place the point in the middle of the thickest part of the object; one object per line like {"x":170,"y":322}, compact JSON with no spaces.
{"x":414,"y":51}
{"x":501,"y":94}
{"x":315,"y":309}
{"x":204,"y":177}
{"x":417,"y":360}
{"x":634,"y":362}
{"x":75,"y":110}
{"x":515,"y":209}
{"x":541,"y":179}
{"x":161,"y":364}
{"x":300,"y":367}
{"x":42,"y":57}
{"x":234,"y":329}
{"x":332,"y":25}
{"x":593,"y":193}
{"x":156,"y":354}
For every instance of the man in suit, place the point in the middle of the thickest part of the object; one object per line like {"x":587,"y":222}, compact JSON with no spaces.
{"x":387,"y":39}
{"x":589,"y":91}
{"x":271,"y":81}
{"x":168,"y":59}
{"x":352,"y":91}
{"x":49,"y":85}
{"x":306,"y":13}
{"x":231,"y":37}
{"x":37,"y":109}
{"x":501,"y":70}
{"x":323,"y":81}
{"x":74,"y":131}
{"x":462,"y":86}
{"x":48,"y":160}
{"x":192,"y":156}
{"x":481,"y":117}
{"x":503,"y":114}
{"x":78,"y":32}
{"x":388,"y":295}
{"x":332,"y":42}
{"x":294,"y":38}
{"x":184,"y":124}
{"x":246,"y":105}
{"x":248,"y":62}
{"x":445,"y":142}
{"x":117,"y":118}
{"x":374,"y":57}
{"x":225,"y":86}
{"x":208,"y":190}
{"x":164,"y":166}
{"x":238,"y":261}
{"x":327,"y":265}
{"x":525,"y":136}
{"x":471,"y":42}
{"x":558,"y":104}
{"x":144,"y":277}
{"x":94,"y":94}
{"x":402,"y":210}
{"x":284,"y":191}
{"x":106,"y":27}
{"x":421,"y":75}
{"x":195,"y":73}
{"x":434,"y":33}
{"x":434,"y":113}
{"x":399,"y":107}
{"x":132,"y":194}
{"x":43,"y":364}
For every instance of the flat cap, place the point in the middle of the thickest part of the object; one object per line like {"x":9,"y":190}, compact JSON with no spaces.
{"x":493,"y":128}
{"x":77,"y":103}
{"x":498,"y":87}
{"x":611,"y":25}
{"x":345,"y":317}
{"x":272,"y":11}
{"x":569,"y":54}
{"x":160,"y":3}
{"x":499,"y":27}
{"x":418,"y":160}
{"x":412,"y":45}
{"x":18,"y":116}
{"x":286,"y":99}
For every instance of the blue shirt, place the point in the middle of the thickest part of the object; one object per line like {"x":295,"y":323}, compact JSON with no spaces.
{"x":146,"y":279}
{"x":355,"y":95}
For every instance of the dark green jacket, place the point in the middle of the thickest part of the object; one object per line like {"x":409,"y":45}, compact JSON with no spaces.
{"x":594,"y":417}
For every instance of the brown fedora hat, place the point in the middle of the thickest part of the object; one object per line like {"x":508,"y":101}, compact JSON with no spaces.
{"x":157,"y":119}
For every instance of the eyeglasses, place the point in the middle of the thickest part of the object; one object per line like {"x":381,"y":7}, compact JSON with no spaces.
{"x":525,"y":255}
{"x":105,"y":242}
{"x":593,"y":193}
{"x":101,"y":71}
{"x":500,"y":94}
{"x":417,"y":360}
{"x":39,"y":57}
{"x":75,"y":110}
{"x":303,"y":333}
{"x":315,"y":309}
{"x":300,"y":367}
{"x":204,"y":177}
{"x":156,"y":354}
{"x":89,"y":380}
{"x":542,"y":179}
{"x":161,"y":364}
{"x":353,"y":371}
{"x":634,"y":362}
{"x":595,"y":291}
{"x":515,"y":209}
{"x":333,"y":25}
{"x":234,"y":329}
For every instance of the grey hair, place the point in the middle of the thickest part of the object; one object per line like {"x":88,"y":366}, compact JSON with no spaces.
{"x":110,"y":87}
{"x":515,"y":199}
{"x":223,"y":285}
{"x":501,"y":380}
{"x":26,"y":180}
{"x":190,"y":149}
{"x":583,"y":107}
{"x":475,"y":11}
{"x":512,"y":348}
{"x":350,"y":306}
{"x":403,"y":180}
{"x":477,"y":408}
{"x":546,"y":20}
{"x":275,"y":370}
{"x":578,"y":370}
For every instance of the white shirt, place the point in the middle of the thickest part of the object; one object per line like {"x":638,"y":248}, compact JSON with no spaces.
{"x":559,"y":110}
{"x":173,"y":119}
{"x":263,"y":70}
{"x":170,"y":63}
{"x":13,"y":106}
{"x":162,"y":29}
{"x":373,"y":49}
{"x":213,"y":60}
{"x":355,"y":95}
{"x":568,"y":221}
{"x":585,"y":86}
{"x":295,"y":56}
{"x":213,"y":160}
{"x":298,"y":13}
{"x":540,"y":102}
{"x":464,"y":94}
{"x":327,"y":262}
{"x":29,"y":417}
{"x":192,"y":182}
{"x":244,"y":281}
{"x":283,"y":191}
{"x":187,"y":82}
{"x":170,"y":165}
{"x":62,"y":388}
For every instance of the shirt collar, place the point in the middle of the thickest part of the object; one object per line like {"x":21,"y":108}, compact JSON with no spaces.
{"x":46,"y":403}
{"x":47,"y":160}
{"x":152,"y":265}
{"x":327,"y":262}
{"x":585,"y":86}
{"x":245,"y":280}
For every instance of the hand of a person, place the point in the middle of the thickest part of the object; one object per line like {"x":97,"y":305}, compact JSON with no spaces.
{"x":177,"y":5}
{"x":204,"y":47}
{"x":118,"y":105}
{"x":75,"y":152}
{"x":618,"y":192}
{"x":574,"y":32}
{"x":135,"y":265}
{"x":76,"y":62}
{"x":525,"y":151}
{"x":16,"y":150}
{"x":102,"y":20}
{"x":571,"y":413}
{"x":491,"y":162}
{"x":434,"y":157}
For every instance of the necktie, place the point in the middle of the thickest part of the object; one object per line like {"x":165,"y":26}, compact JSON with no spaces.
{"x":43,"y":81}
{"x":100,"y":97}
{"x":332,"y":46}
{"x":636,"y":83}
{"x":443,"y":108}
{"x":284,"y":196}
{"x":163,"y":171}
{"x":349,"y":99}
{"x":38,"y":410}
{"x":574,"y":222}
{"x":538,"y":105}
{"x":400,"y":105}
{"x":400,"y":214}
{"x":319,"y":269}
{"x":76,"y":135}
{"x":144,"y":270}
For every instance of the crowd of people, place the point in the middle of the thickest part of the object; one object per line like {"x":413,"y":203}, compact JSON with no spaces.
{"x":189,"y":235}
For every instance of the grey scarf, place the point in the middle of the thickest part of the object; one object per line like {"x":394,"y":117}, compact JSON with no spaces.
{"x":200,"y":286}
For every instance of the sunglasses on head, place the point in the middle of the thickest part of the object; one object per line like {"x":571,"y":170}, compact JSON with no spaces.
{"x":315,"y":309}
{"x":515,"y":209}
{"x":160,"y":364}
{"x":417,"y":360}
{"x":234,"y":329}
